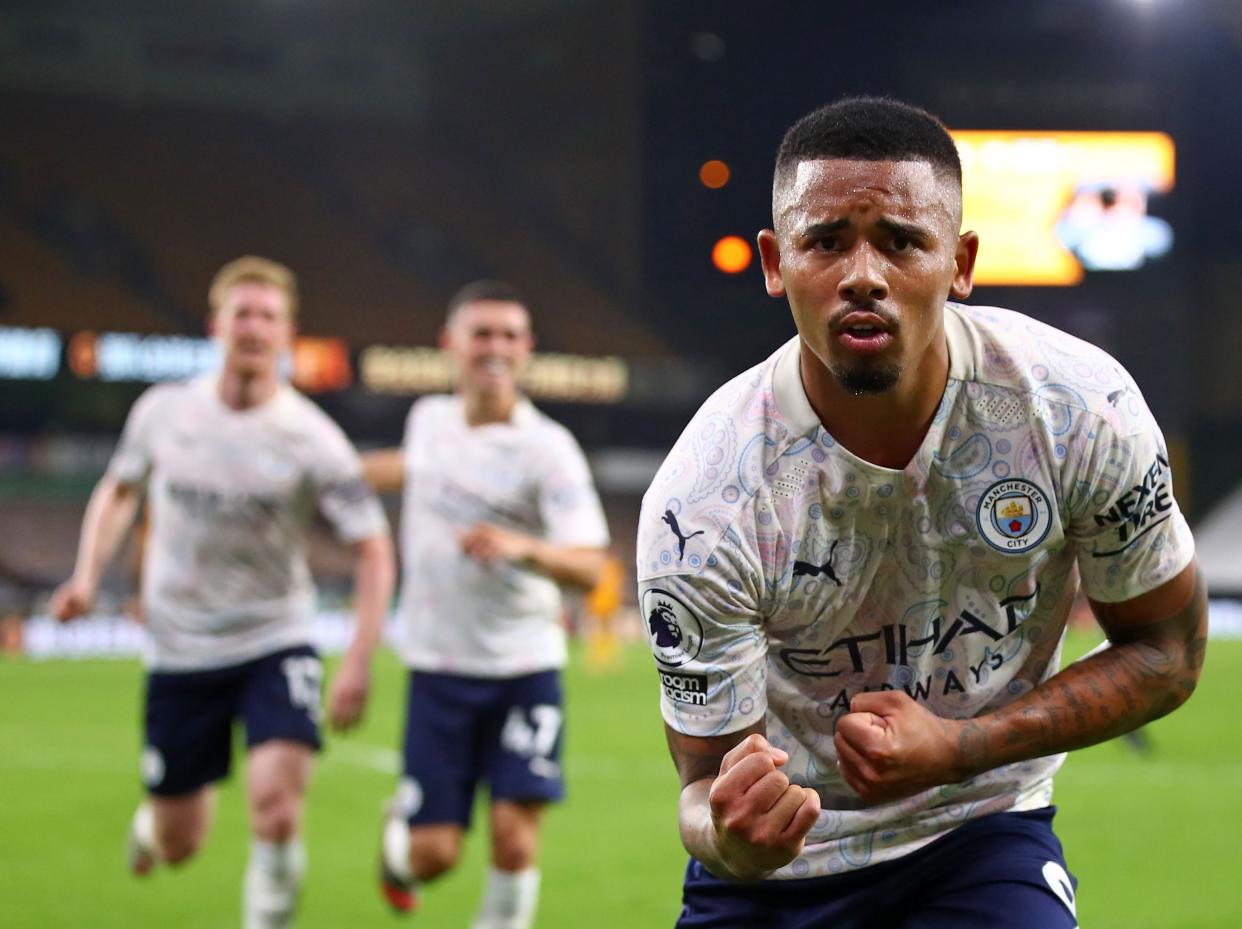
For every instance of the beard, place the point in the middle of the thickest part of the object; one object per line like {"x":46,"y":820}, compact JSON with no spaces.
{"x":865,"y":380}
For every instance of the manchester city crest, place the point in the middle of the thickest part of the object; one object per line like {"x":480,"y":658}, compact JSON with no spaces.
{"x":1014,"y":515}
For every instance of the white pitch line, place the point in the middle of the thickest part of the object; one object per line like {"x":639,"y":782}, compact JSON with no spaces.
{"x":362,"y":755}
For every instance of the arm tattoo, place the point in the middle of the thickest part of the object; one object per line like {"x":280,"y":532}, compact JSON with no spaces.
{"x":1148,"y":671}
{"x":697,"y":757}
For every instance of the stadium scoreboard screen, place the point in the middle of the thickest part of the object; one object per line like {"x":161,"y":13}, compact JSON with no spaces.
{"x":1050,"y":205}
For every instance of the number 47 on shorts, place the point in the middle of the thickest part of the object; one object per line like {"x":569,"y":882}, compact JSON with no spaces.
{"x":532,"y":737}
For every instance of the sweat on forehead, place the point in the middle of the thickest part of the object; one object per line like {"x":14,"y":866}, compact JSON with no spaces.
{"x":810,"y":189}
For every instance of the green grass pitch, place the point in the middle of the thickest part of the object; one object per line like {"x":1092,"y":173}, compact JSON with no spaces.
{"x":1152,"y":840}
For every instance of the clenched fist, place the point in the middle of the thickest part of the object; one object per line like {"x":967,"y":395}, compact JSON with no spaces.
{"x":889,"y":746}
{"x":72,"y":599}
{"x":760,"y":818}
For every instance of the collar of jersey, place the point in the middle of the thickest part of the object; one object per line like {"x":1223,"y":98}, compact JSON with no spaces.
{"x":523,"y":413}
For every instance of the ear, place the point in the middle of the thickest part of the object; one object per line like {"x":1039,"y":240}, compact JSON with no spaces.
{"x":964,"y":261}
{"x":445,"y":340}
{"x":770,"y":258}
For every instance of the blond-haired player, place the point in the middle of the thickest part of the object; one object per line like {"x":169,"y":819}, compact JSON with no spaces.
{"x":235,"y":465}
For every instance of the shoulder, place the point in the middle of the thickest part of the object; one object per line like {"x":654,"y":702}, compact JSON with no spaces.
{"x":1055,"y":375}
{"x":435,"y":404}
{"x":167,"y":397}
{"x":304,"y":419}
{"x":429,"y":408}
{"x":295,"y":403}
{"x":717,"y":467}
{"x":542,"y":430}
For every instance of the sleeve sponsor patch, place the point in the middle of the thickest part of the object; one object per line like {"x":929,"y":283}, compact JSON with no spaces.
{"x":1141,"y":508}
{"x":681,"y":687}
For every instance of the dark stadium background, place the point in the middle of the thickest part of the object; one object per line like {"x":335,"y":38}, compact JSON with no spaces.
{"x":391,"y":151}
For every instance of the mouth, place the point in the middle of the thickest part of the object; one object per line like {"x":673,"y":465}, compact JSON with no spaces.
{"x":863,"y":332}
{"x":494,"y":367}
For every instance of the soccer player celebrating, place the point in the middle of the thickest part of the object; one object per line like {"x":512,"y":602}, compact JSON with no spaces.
{"x":236,"y":464}
{"x":859,"y":653}
{"x":499,"y":512}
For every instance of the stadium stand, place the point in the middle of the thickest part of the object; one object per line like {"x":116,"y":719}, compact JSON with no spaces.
{"x":379,"y":226}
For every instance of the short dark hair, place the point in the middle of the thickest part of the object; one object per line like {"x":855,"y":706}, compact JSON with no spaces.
{"x":500,"y":291}
{"x":870,"y":129}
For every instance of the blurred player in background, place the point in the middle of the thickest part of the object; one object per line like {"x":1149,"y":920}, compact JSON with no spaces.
{"x":236,"y":464}
{"x":601,"y":607}
{"x":499,"y":512}
{"x":857,"y":563}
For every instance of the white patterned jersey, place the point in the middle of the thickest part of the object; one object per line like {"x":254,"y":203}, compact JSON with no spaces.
{"x":780,"y":575}
{"x":232,"y":494}
{"x":528,"y":474}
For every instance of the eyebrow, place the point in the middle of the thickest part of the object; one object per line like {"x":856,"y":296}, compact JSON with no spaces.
{"x":816,"y":230}
{"x":906,"y":229}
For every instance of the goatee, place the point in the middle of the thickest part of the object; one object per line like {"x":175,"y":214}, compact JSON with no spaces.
{"x":862,"y":382}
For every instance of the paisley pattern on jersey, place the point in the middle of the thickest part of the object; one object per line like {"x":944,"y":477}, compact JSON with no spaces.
{"x":816,"y":575}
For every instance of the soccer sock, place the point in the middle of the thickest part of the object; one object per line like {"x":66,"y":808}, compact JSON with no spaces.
{"x":142,"y":828}
{"x":270,"y":888}
{"x":509,"y":900}
{"x":395,"y":847}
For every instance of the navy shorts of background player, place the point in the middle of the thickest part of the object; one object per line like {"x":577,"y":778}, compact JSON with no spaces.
{"x":1005,"y":870}
{"x":190,"y":715}
{"x":463,"y":730}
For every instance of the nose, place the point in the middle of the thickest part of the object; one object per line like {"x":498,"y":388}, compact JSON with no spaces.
{"x":863,"y":278}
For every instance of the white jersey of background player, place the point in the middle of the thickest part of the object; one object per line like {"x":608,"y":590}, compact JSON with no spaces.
{"x":466,"y":616}
{"x":236,"y":465}
{"x":499,"y":512}
{"x":782,"y":575}
{"x":857,"y":562}
{"x":225,"y":577}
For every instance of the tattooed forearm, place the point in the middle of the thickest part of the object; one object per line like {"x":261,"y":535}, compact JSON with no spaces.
{"x":698,"y":757}
{"x":1149,"y":670}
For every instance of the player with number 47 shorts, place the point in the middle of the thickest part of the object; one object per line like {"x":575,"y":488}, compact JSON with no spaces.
{"x":499,"y":512}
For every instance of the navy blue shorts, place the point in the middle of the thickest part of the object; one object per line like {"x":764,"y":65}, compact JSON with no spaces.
{"x":1004,"y":870}
{"x":463,"y":730}
{"x":190,"y":715}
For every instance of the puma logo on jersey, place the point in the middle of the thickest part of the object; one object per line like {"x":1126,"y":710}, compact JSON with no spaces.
{"x":806,"y":569}
{"x":671,"y":519}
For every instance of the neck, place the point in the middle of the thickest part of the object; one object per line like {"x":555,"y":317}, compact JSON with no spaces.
{"x":484,"y":408}
{"x":244,"y":390}
{"x":885,"y":429}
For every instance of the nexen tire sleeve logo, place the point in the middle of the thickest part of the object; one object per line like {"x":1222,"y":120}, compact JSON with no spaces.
{"x":673,"y":631}
{"x":1013,"y":515}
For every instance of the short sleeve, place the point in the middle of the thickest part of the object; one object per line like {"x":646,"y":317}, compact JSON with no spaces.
{"x":569,"y":507}
{"x":135,"y":453}
{"x":408,"y":433}
{"x":343,"y":495}
{"x":709,"y":644}
{"x":1131,"y":534}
